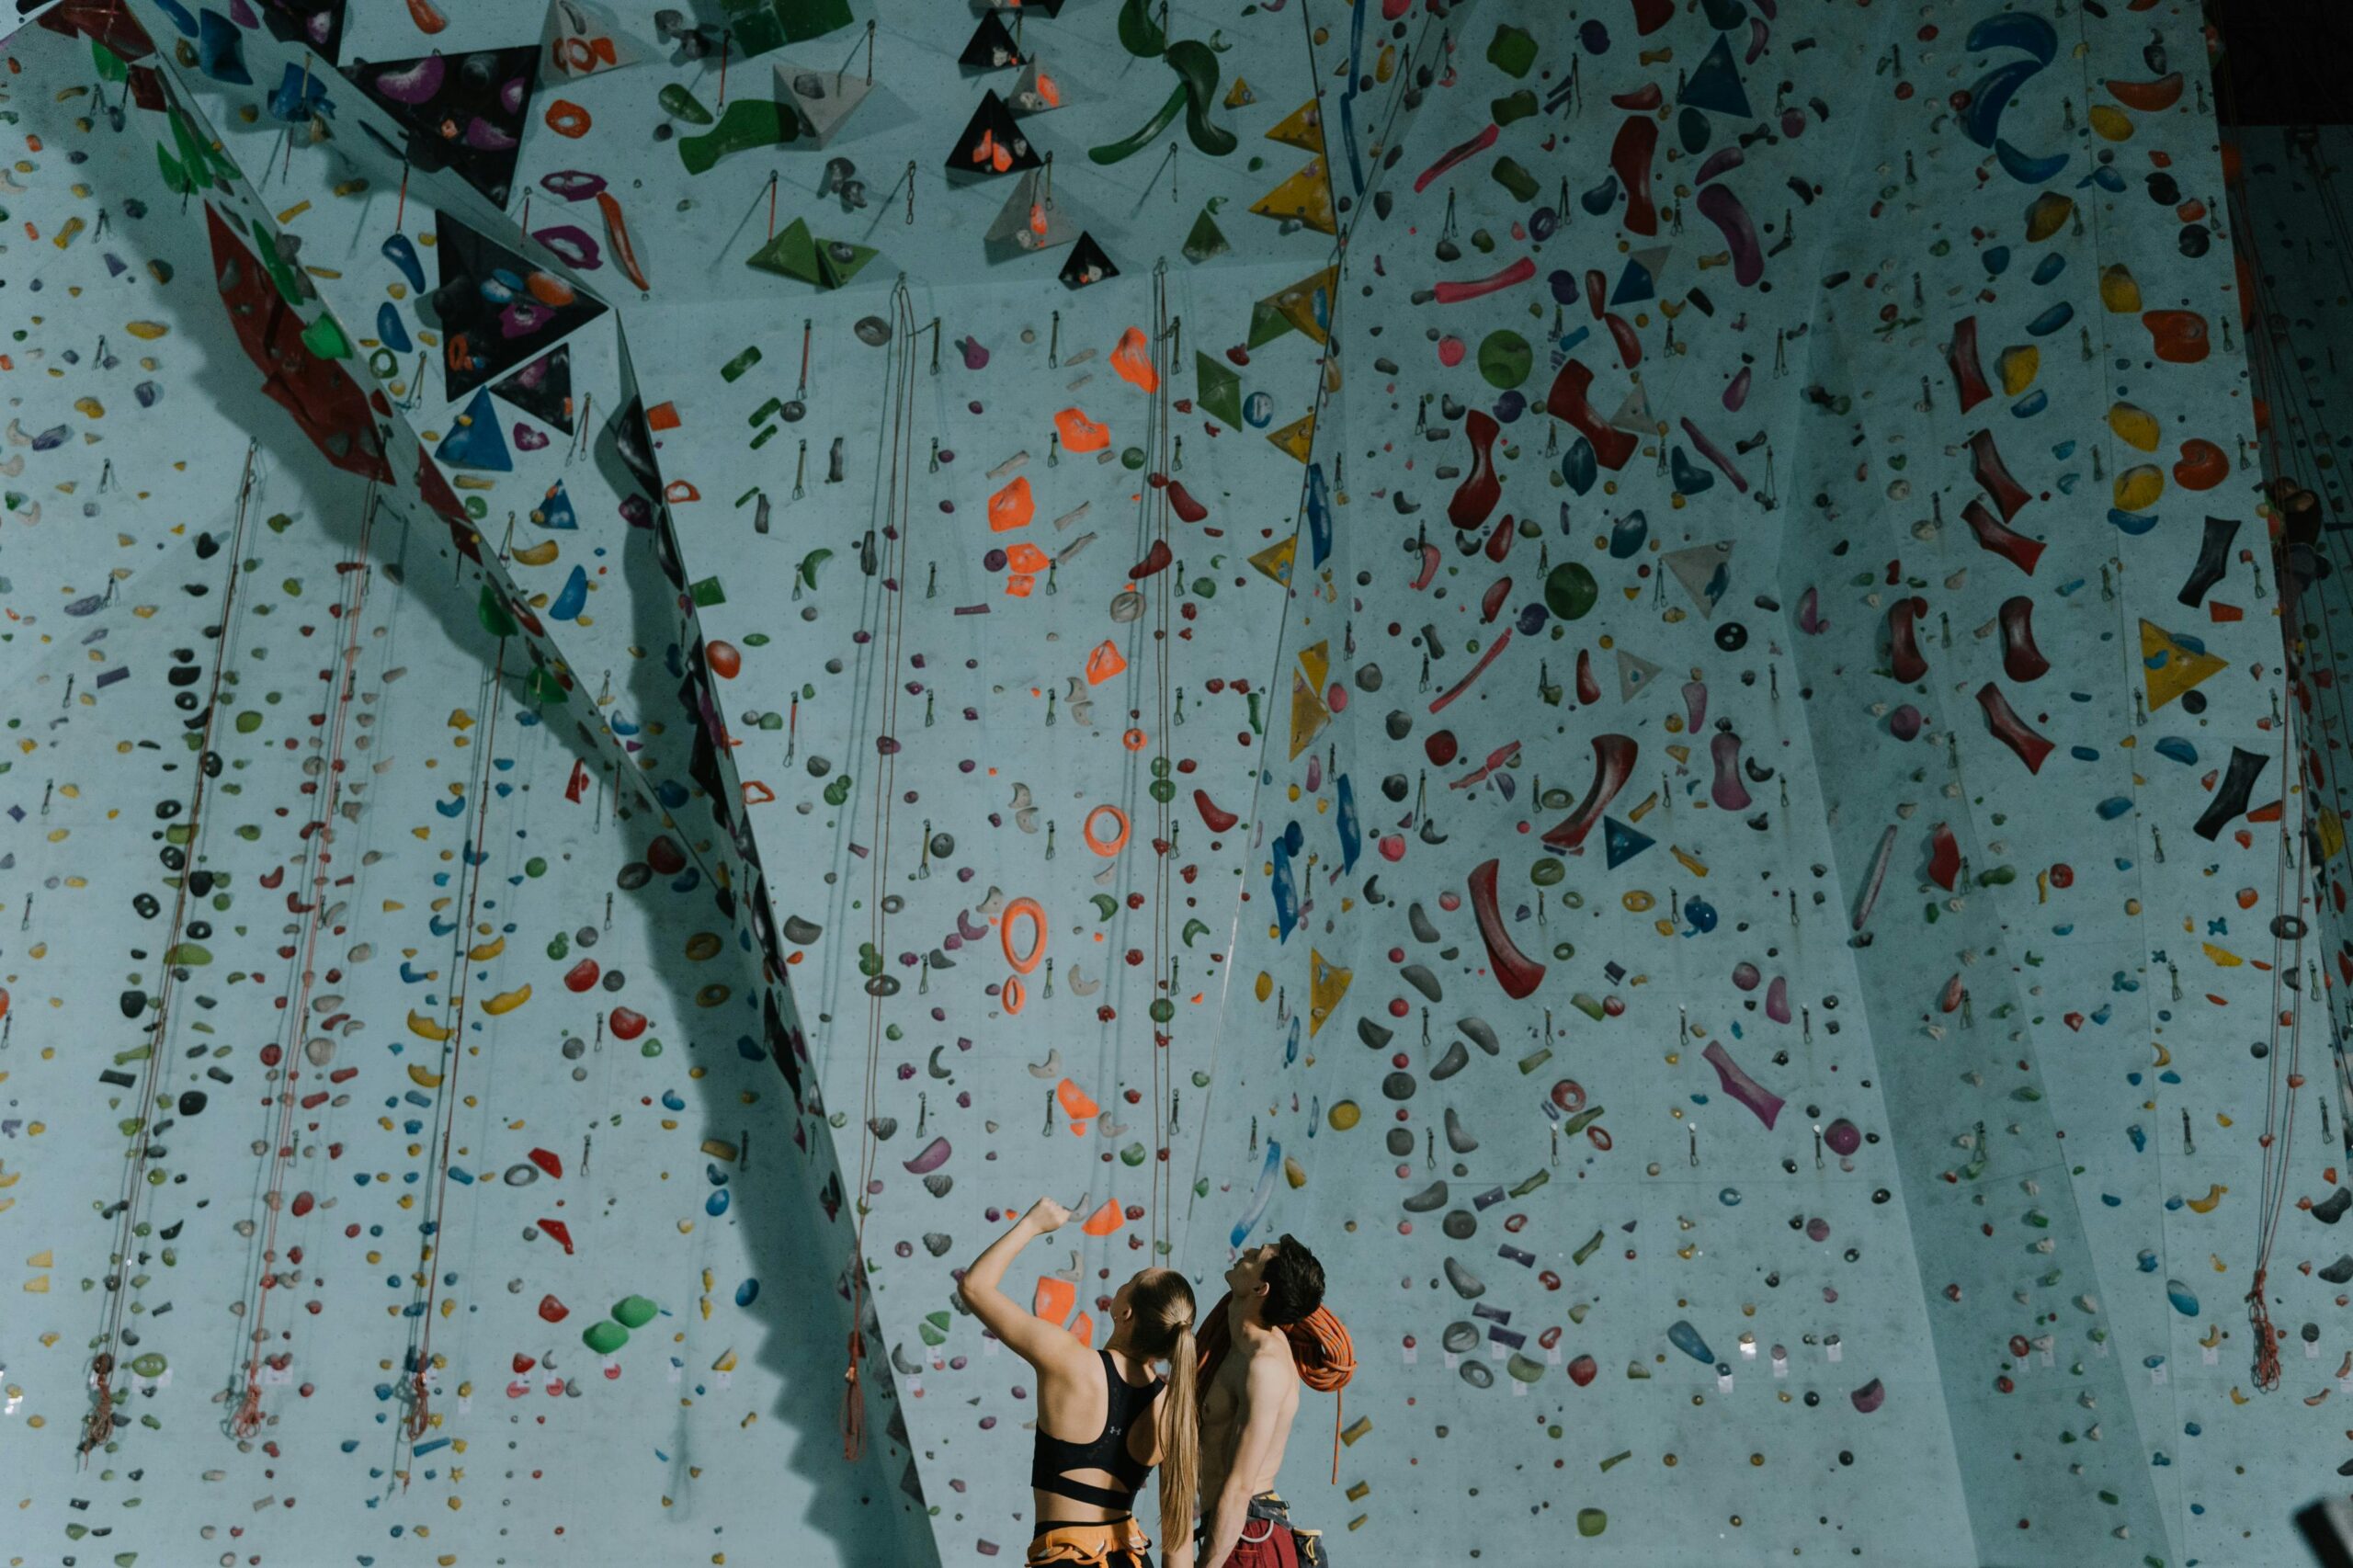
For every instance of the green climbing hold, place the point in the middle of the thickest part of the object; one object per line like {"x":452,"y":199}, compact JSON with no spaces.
{"x":1547,"y":872}
{"x":680,"y":104}
{"x":634,"y":1311}
{"x":492,"y":612}
{"x":1591,"y":1521}
{"x":1570,"y":591}
{"x":1504,"y":359}
{"x":604,"y":1338}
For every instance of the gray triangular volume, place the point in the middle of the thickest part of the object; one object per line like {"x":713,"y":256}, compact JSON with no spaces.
{"x":1038,"y":89}
{"x":1634,"y":673}
{"x":1705,"y":571}
{"x":821,"y":101}
{"x":1018,"y":222}
{"x":1634,"y":416}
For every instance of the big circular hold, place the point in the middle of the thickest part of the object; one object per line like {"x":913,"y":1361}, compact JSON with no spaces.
{"x":522,"y":1173}
{"x":1398,"y":722}
{"x":1547,"y":872}
{"x":1131,"y":458}
{"x":1569,"y":1095}
{"x":1127,"y":605}
{"x":1401,"y":1142}
{"x":1400,"y":1086}
{"x":1028,"y":909}
{"x":1817,"y":1230}
{"x":1441,"y":747}
{"x":1732,"y":637}
{"x":1592,"y":1521}
{"x":1258,"y":410}
{"x":794,"y":412}
{"x":994,"y":560}
{"x":1014,"y":995}
{"x":1843,"y":1137}
{"x":1344,"y":1116}
{"x":872,"y":331}
{"x":943,"y":845}
{"x":1103,"y":845}
{"x":1570,"y":591}
{"x":1478,"y":1374}
{"x":1510,"y":406}
{"x":1504,"y":359}
{"x":1460,"y":1337}
{"x":1746,"y":975}
{"x":1459,"y":1224}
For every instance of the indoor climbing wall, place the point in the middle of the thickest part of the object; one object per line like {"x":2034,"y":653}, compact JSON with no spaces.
{"x":1618,"y":664}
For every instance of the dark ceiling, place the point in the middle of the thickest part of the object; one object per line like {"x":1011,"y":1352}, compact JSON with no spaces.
{"x":2283,"y":61}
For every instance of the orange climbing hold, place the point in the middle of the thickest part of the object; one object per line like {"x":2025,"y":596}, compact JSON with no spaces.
{"x":2203,"y":465}
{"x":1052,"y":1300}
{"x":1076,"y":1106}
{"x":1023,"y":962}
{"x":725,"y":662}
{"x":1081,"y":434}
{"x":1133,"y":360}
{"x":1106,"y":847}
{"x":1026,"y":557}
{"x":568,"y":118}
{"x":1105,"y":1219}
{"x":1012,"y":507}
{"x":1104,"y":662}
{"x":2180,"y":336}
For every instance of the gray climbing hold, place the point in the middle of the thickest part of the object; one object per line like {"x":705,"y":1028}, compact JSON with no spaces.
{"x":1467,"y":1285}
{"x":1460,"y":1141}
{"x":1429,"y":1200}
{"x":1461,"y":1336}
{"x":1482,"y":1035}
{"x":1424,"y":929}
{"x":1419,"y":977}
{"x":1373,"y":1034}
{"x":800,"y":932}
{"x":1459,"y":1225}
{"x":1455,"y":1059}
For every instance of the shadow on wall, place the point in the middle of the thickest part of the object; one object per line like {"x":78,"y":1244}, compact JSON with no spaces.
{"x":803,"y":1322}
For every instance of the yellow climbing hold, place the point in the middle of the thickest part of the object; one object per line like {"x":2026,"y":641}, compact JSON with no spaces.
{"x":1294,"y":1172}
{"x":2019,"y":364}
{"x":482,"y":952}
{"x":2138,"y":487}
{"x":423,"y":1077}
{"x":1344,"y":1116}
{"x":2117,"y":291}
{"x":2046,"y":215}
{"x":2213,"y":1196}
{"x":2111,"y":122}
{"x":2223,"y":955}
{"x":2134,"y":426}
{"x":146,"y":330}
{"x":506,"y":1001}
{"x":424,"y":1028}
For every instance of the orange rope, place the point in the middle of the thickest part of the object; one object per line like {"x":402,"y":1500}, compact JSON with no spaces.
{"x":1320,"y":1346}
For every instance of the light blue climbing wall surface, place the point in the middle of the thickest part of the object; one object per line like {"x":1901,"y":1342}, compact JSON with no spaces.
{"x":1621,"y":662}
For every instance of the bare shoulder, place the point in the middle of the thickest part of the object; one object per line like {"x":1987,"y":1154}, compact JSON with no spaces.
{"x":1268,"y":1366}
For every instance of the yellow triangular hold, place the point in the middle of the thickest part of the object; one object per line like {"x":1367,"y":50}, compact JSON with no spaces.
{"x":40,"y":1260}
{"x":1308,"y":714}
{"x":2331,"y":829}
{"x":1240,"y":96}
{"x":1317,"y":663}
{"x":1275,"y":562}
{"x":1325,"y":986}
{"x":1306,"y":197}
{"x":1297,"y":437}
{"x":2172,"y":666}
{"x":1303,"y":127}
{"x":1297,"y":305}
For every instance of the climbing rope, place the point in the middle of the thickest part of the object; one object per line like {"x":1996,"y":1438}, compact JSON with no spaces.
{"x":99,"y":1426}
{"x":351,"y":596}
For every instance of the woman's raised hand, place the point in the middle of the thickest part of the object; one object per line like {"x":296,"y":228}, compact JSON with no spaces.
{"x":1046,"y":1216}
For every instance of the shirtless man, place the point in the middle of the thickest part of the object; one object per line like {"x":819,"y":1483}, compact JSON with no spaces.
{"x":1247,"y":1404}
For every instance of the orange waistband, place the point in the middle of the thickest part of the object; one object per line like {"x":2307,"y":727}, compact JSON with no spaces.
{"x":1086,"y":1543}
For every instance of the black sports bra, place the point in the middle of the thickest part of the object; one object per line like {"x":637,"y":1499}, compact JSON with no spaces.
{"x":1054,"y":1458}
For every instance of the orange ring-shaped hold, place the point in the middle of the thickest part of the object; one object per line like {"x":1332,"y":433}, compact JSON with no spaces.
{"x":1035,"y":913}
{"x":568,"y":118}
{"x":1598,"y":1136}
{"x":1102,"y":847}
{"x":1135,"y":740}
{"x":1013,"y":994}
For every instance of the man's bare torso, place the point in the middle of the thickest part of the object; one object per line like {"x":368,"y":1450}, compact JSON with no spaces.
{"x":1224,"y":1409}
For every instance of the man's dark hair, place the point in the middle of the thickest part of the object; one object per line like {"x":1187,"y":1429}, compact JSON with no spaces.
{"x":1294,"y":1283}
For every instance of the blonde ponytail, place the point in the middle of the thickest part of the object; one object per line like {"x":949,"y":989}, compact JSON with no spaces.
{"x":1180,"y":1442}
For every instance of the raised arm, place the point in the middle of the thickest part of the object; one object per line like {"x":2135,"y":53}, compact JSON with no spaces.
{"x":1254,"y":1445}
{"x":1028,"y":1335}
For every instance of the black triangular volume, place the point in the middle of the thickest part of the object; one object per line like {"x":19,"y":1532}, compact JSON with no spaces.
{"x":1087,"y":264}
{"x":316,"y":25}
{"x":463,"y":113}
{"x":491,"y":307}
{"x":542,"y":389}
{"x":993,"y":144}
{"x":1048,"y":9}
{"x":992,"y":47}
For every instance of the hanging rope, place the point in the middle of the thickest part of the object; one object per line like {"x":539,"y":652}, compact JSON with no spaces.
{"x":99,"y":1427}
{"x":351,"y":595}
{"x":898,"y":513}
{"x":453,"y":1053}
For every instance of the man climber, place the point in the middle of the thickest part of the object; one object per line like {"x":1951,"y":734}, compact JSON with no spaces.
{"x":1258,"y":1345}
